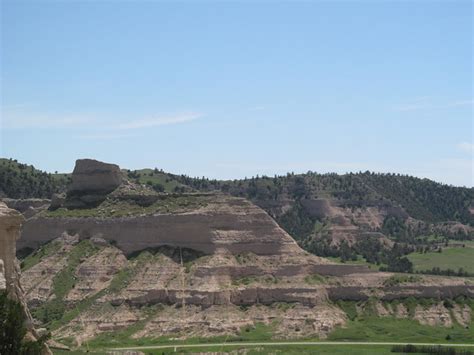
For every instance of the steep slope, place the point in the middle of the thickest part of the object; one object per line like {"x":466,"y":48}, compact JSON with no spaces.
{"x":86,"y":290}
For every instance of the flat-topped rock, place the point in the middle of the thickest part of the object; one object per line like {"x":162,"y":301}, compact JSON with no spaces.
{"x":93,"y":176}
{"x":92,"y":181}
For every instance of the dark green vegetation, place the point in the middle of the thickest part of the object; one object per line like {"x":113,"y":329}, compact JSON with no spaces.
{"x":158,"y":180}
{"x":422,"y":198}
{"x":438,"y":350}
{"x":13,"y":330}
{"x":24,"y":181}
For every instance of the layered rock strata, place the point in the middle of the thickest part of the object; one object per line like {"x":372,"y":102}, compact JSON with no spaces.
{"x":223,"y":223}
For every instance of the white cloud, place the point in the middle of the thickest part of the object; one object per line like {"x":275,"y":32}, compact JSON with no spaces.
{"x":159,"y":121}
{"x":466,"y":147}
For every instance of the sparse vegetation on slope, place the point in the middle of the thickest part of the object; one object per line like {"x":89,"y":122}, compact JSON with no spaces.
{"x":122,"y":207}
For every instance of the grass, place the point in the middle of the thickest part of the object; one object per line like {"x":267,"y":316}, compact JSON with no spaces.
{"x":259,"y":332}
{"x":389,"y":329}
{"x":248,"y":280}
{"x":360,"y":261}
{"x":122,"y":208}
{"x":401,"y":279}
{"x":34,"y":258}
{"x":150,"y":176}
{"x":449,"y":258}
{"x":54,"y":311}
{"x":274,"y":349}
{"x":120,"y":281}
{"x":315,"y":279}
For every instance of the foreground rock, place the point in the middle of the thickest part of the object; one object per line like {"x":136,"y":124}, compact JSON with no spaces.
{"x":10,"y":222}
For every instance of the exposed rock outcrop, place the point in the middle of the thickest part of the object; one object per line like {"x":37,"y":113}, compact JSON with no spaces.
{"x":3,"y":282}
{"x":10,"y":222}
{"x":220,"y":223}
{"x":92,"y":180}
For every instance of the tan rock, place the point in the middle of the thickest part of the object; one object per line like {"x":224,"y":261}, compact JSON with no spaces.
{"x":10,"y":223}
{"x":435,"y":315}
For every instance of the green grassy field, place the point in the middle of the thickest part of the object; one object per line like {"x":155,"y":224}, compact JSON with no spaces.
{"x":360,"y":261}
{"x":283,"y":349}
{"x":449,"y":258}
{"x":389,"y":329}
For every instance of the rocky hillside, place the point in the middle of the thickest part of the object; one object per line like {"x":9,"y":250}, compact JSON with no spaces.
{"x":378,"y":217}
{"x":88,"y":290}
{"x":112,"y":257}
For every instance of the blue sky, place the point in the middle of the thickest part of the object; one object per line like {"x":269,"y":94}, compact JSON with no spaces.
{"x":234,"y":89}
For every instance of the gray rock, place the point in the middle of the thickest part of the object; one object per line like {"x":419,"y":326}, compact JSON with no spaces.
{"x":94,"y":177}
{"x":92,"y":181}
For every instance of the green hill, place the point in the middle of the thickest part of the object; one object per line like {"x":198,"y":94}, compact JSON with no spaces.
{"x":25,"y":181}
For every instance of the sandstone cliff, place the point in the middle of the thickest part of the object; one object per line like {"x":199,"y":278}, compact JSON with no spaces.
{"x":10,"y":222}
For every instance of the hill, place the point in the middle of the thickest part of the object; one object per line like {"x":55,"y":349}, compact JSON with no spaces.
{"x":378,"y":217}
{"x":115,"y":261}
{"x":19,"y":180}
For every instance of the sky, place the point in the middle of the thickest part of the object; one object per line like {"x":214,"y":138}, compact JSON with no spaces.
{"x":228,"y":89}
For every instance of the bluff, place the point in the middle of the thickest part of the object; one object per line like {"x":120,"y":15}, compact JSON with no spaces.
{"x":193,"y":264}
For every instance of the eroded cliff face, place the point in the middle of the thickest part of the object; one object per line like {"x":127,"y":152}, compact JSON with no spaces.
{"x":10,"y":222}
{"x":218,"y":222}
{"x":182,"y":293}
{"x":196,"y":265}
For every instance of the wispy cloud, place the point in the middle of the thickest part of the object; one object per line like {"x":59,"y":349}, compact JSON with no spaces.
{"x":426,"y":103}
{"x":103,"y":136}
{"x":17,"y":118}
{"x":159,"y":121}
{"x":466,"y":147}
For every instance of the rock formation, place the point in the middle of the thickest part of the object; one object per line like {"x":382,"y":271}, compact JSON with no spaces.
{"x":3,"y":282}
{"x":10,"y":222}
{"x":219,"y":223}
{"x":92,"y":180}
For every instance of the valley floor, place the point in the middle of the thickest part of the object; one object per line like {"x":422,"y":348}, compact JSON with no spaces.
{"x":356,"y":348}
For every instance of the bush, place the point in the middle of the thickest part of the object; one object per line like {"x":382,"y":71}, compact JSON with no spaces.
{"x":13,"y":330}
